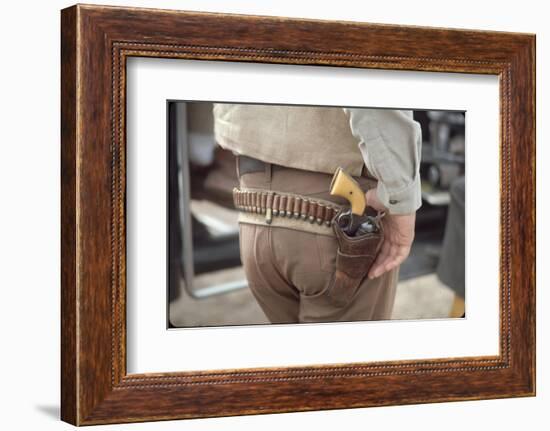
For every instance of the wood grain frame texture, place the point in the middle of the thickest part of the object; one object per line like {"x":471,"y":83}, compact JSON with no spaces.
{"x":95,"y":43}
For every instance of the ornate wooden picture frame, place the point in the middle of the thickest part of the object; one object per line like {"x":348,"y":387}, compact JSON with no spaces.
{"x":96,"y":41}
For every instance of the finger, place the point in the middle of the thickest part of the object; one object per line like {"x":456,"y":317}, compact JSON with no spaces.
{"x":381,"y":260}
{"x":373,"y":201}
{"x":396,"y":255}
{"x":384,"y":253}
{"x":391,"y":259}
{"x":403,"y":253}
{"x":384,"y":261}
{"x":397,"y":258}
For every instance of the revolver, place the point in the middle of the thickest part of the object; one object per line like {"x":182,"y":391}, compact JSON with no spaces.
{"x":353,"y":221}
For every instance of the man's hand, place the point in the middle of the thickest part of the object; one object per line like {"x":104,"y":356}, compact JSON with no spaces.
{"x":398,"y":237}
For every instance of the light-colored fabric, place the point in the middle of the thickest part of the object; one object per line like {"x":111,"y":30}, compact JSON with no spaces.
{"x":321,"y":139}
{"x":390,"y":142}
{"x":316,"y":139}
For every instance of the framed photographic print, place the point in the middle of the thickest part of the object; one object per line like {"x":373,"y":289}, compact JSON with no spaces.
{"x":264,"y":214}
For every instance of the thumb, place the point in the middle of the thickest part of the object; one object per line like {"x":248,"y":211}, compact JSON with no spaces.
{"x":373,"y":201}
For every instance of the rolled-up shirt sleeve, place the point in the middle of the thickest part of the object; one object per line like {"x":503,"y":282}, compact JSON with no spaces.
{"x":390,"y":142}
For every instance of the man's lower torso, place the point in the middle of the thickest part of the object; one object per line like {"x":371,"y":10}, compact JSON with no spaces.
{"x":290,"y":261}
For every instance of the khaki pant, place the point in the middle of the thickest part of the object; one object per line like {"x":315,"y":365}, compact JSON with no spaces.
{"x":291,"y":268}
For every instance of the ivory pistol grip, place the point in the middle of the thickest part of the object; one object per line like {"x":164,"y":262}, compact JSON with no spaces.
{"x":345,"y":186}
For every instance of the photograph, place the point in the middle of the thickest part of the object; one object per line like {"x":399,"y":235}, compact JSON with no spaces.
{"x":269,"y":214}
{"x":287,"y":214}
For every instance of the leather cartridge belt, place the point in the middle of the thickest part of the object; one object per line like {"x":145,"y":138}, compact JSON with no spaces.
{"x":276,"y":204}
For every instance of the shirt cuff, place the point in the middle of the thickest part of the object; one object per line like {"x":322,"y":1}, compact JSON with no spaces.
{"x":403,"y":201}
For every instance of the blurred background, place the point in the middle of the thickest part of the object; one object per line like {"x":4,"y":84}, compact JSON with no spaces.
{"x":206,"y":282}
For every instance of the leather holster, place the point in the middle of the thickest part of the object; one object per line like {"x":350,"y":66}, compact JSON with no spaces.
{"x":354,"y":258}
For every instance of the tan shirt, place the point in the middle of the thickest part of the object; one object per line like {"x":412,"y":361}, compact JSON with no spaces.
{"x":390,"y":142}
{"x":322,"y":139}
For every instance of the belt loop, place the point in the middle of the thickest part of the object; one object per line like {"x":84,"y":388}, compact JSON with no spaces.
{"x":268,"y":173}
{"x":237,"y":166}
